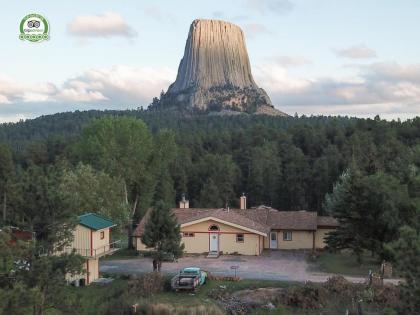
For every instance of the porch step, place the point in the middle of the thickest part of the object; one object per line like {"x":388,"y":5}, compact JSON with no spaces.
{"x":213,"y":254}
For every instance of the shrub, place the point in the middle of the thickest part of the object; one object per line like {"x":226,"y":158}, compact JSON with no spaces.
{"x":147,"y":284}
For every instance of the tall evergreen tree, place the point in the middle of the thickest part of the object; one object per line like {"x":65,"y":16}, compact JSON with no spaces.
{"x":6,"y":171}
{"x":405,"y":253}
{"x":162,"y":233}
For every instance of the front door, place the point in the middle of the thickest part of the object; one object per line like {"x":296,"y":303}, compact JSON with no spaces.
{"x":214,"y":242}
{"x":273,"y":240}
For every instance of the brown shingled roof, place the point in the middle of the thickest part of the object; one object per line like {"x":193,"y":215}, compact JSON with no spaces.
{"x":327,"y":221}
{"x":261,"y":219}
{"x":233,"y":216}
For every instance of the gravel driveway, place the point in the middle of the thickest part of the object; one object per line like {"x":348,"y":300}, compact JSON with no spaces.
{"x":271,"y":265}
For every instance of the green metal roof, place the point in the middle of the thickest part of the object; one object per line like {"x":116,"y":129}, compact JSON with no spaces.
{"x":95,"y":221}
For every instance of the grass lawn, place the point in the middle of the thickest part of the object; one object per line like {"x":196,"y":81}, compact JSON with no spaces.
{"x":94,"y":295}
{"x":344,"y":263}
{"x":123,"y":253}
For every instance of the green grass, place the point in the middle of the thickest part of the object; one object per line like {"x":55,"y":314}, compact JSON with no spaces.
{"x":92,"y":296}
{"x":345,"y":263}
{"x":123,"y":253}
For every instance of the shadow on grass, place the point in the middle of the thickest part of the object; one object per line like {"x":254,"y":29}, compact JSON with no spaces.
{"x":344,"y":263}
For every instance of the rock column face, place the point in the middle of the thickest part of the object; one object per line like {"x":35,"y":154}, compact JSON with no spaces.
{"x":214,"y":73}
{"x":215,"y":55}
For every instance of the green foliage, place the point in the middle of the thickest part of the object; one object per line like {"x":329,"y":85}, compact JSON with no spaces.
{"x":370,"y":208}
{"x":123,"y":148}
{"x":406,"y":255}
{"x":95,"y":191}
{"x":39,"y":206}
{"x":162,"y":233}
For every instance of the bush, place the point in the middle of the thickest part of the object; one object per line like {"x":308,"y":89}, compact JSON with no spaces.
{"x":308,"y":296}
{"x":147,"y":284}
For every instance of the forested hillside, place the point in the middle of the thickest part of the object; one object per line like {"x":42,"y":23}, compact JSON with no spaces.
{"x":363,"y":172}
{"x":284,"y":162}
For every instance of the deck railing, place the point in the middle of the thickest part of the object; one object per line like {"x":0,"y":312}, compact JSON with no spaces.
{"x":107,"y":249}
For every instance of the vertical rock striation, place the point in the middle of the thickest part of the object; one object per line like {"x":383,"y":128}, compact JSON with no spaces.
{"x":215,"y":72}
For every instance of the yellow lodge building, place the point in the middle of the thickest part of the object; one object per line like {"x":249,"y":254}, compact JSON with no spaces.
{"x":245,"y":231}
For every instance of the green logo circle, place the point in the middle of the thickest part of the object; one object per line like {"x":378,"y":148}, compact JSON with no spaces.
{"x":34,"y":28}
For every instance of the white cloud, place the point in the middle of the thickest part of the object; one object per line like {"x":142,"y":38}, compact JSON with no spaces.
{"x":119,"y":84}
{"x":389,"y":89}
{"x":379,"y":88}
{"x":356,"y":52}
{"x":12,"y":91}
{"x":103,"y":25}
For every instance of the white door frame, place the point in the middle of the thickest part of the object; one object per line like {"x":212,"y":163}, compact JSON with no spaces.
{"x":273,"y":243}
{"x":214,"y":242}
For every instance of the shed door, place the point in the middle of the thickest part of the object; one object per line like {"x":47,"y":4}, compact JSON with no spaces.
{"x":273,"y":240}
{"x":214,"y":242}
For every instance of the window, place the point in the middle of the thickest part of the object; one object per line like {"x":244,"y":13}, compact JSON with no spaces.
{"x":102,"y":235}
{"x":239,"y":238}
{"x":287,"y":236}
{"x":187,"y":234}
{"x":213,"y":227}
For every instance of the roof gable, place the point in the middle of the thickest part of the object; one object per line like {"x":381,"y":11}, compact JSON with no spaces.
{"x":257,"y":229}
{"x":95,"y":221}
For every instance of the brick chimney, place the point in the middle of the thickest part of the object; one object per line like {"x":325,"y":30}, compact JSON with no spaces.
{"x":242,"y":202}
{"x":184,"y":203}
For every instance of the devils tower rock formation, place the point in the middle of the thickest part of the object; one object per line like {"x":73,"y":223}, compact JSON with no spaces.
{"x":215,"y":73}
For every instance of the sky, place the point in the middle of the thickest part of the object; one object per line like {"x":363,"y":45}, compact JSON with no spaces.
{"x":313,"y":57}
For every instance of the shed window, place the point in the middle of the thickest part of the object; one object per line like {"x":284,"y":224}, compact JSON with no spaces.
{"x":239,"y":238}
{"x":102,"y":235}
{"x":187,"y":234}
{"x":287,"y":236}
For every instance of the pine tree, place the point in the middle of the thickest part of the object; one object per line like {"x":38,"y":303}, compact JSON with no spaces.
{"x":406,"y":255}
{"x":162,"y":233}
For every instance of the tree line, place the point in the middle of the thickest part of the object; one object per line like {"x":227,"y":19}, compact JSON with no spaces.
{"x":363,"y":171}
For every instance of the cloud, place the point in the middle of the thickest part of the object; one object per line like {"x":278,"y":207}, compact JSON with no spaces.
{"x":386,"y":88}
{"x":378,"y":88}
{"x":119,"y":84}
{"x":103,"y":25}
{"x":116,"y":85}
{"x":291,"y":61}
{"x":12,"y":91}
{"x":252,"y":30}
{"x":356,"y":52}
{"x":270,"y":6}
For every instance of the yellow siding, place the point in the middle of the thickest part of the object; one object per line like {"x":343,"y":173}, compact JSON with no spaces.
{"x":267,"y":241}
{"x":227,"y":242}
{"x":199,"y":243}
{"x":93,"y":266}
{"x":100,"y":246}
{"x":300,"y":240}
{"x":93,"y":269}
{"x":319,"y":237}
{"x":81,"y":239}
{"x":140,"y":245}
